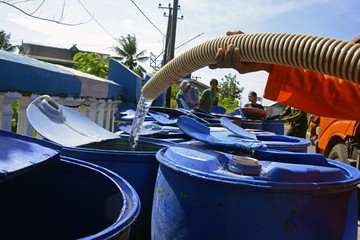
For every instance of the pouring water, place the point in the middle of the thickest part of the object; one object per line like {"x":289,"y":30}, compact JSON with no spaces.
{"x":141,"y":111}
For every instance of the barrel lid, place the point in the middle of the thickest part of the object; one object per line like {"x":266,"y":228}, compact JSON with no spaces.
{"x":205,"y":163}
{"x":149,"y":128}
{"x":203,"y":133}
{"x":268,"y":140}
{"x":129,"y":115}
{"x":64,"y":125}
{"x":18,"y":153}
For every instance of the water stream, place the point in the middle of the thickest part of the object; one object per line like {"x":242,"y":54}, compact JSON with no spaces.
{"x":141,"y":111}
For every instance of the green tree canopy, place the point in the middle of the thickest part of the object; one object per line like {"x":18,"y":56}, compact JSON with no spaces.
{"x":229,"y":87}
{"x":92,"y":63}
{"x":5,"y":42}
{"x":229,"y":92}
{"x":129,"y":55}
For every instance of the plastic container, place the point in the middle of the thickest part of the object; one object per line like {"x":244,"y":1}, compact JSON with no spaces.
{"x":70,"y":128}
{"x":197,"y":196}
{"x":284,"y":143}
{"x":138,"y":167}
{"x":252,"y":124}
{"x":275,"y":126}
{"x":43,"y":196}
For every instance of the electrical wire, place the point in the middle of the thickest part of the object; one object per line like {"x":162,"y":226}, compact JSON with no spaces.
{"x":97,"y":21}
{"x":212,"y":16}
{"x":189,"y":40}
{"x":147,"y":18}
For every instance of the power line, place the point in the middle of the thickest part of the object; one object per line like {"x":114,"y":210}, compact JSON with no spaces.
{"x":189,"y":40}
{"x":97,"y":20}
{"x":181,"y":45}
{"x":147,"y":18}
{"x":212,"y":15}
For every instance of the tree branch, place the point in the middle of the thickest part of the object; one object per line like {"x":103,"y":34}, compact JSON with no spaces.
{"x":31,"y":14}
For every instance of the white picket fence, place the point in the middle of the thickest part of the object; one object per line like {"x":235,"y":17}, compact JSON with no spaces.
{"x":100,"y":111}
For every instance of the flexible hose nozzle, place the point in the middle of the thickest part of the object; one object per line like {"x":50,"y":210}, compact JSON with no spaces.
{"x":328,"y":56}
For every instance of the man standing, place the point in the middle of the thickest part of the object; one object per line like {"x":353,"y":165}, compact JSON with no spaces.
{"x":253,"y":101}
{"x":297,"y":120}
{"x":207,"y":97}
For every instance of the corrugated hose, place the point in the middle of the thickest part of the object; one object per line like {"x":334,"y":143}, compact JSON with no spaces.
{"x":333,"y":57}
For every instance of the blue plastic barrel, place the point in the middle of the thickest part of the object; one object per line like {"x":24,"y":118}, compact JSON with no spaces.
{"x":43,"y":196}
{"x":205,"y":194}
{"x":275,"y":126}
{"x":284,"y":143}
{"x":252,"y":124}
{"x":138,"y":167}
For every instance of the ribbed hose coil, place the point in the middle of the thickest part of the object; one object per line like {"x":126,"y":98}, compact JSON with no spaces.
{"x":328,"y":56}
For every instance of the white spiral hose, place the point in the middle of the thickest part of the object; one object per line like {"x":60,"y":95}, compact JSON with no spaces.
{"x":328,"y":56}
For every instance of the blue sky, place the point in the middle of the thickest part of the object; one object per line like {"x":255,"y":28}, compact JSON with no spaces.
{"x":208,"y":18}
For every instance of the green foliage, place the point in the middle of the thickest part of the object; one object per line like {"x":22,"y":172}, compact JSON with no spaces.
{"x":5,"y":42}
{"x":174,"y":91}
{"x":92,"y":63}
{"x":15,"y":107}
{"x":129,"y":55}
{"x":228,"y":104}
{"x":229,"y":88}
{"x":229,"y":92}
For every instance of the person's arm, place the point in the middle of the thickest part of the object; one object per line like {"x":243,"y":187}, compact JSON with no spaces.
{"x":177,"y":97}
{"x":201,"y":101}
{"x":314,"y":92}
{"x":285,"y":112}
{"x":202,"y":98}
{"x":261,"y":106}
{"x":309,"y":91}
{"x":299,"y":114}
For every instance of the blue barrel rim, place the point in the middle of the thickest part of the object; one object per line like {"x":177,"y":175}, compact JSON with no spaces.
{"x":352,"y":174}
{"x":126,"y":218}
{"x":297,"y":142}
{"x":159,"y":142}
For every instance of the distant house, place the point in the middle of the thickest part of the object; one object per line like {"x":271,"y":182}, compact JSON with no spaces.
{"x":201,"y":86}
{"x":60,"y":56}
{"x":274,"y":108}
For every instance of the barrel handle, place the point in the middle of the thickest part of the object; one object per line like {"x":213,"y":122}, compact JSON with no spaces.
{"x":51,"y":108}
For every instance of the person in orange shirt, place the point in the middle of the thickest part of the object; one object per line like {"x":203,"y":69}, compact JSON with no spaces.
{"x":309,"y":91}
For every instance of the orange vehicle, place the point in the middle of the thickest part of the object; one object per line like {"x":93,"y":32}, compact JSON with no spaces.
{"x":339,"y":140}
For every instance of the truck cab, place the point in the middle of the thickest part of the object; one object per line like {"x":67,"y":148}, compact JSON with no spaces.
{"x":339,"y":140}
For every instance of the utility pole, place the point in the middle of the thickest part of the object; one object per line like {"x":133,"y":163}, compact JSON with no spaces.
{"x":195,"y":78}
{"x":170,"y":40}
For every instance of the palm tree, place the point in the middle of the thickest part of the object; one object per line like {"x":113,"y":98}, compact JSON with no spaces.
{"x":5,"y":42}
{"x":127,"y":52}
